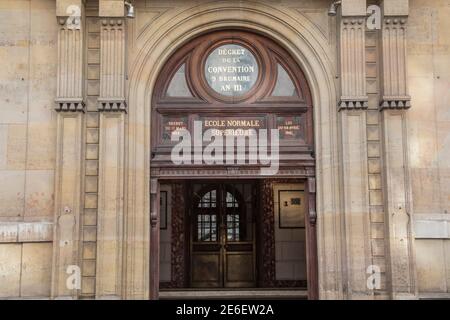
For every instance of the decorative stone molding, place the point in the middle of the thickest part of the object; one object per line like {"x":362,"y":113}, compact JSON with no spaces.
{"x":226,"y":172}
{"x":13,"y":232}
{"x":69,"y":105}
{"x":112,"y":65}
{"x":353,"y":104}
{"x":69,"y":96}
{"x":394,"y":77}
{"x":352,"y":63}
{"x":152,"y":50}
{"x":112,"y":105}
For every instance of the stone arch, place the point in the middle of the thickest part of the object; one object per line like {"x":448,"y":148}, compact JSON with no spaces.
{"x":305,"y":42}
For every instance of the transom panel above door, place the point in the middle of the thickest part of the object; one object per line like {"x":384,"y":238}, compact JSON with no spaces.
{"x":234,"y":84}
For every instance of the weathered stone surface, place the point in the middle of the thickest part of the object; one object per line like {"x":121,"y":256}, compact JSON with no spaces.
{"x":36,"y":269}
{"x":65,"y":7}
{"x":28,"y":134}
{"x":111,"y":8}
{"x":10,"y":264}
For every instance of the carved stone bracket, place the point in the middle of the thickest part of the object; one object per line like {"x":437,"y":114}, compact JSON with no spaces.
{"x":392,"y":103}
{"x":353,"y":104}
{"x":112,"y":105}
{"x":69,"y":105}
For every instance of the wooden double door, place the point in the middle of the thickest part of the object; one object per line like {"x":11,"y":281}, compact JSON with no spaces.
{"x":222,"y":225}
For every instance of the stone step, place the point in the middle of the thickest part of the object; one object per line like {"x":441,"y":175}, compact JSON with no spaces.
{"x":167,"y":294}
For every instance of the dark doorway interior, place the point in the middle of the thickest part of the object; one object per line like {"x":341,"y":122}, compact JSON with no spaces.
{"x":222,"y":234}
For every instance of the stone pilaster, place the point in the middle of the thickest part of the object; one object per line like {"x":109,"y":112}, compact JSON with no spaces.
{"x":112,"y":108}
{"x":352,"y":121}
{"x":66,"y":277}
{"x":397,"y":195}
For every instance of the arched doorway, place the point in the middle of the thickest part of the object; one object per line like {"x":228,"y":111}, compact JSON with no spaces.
{"x":232,"y":83}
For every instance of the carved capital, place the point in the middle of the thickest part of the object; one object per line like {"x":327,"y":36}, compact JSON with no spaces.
{"x":113,"y":22}
{"x":112,"y":65}
{"x":70,"y":105}
{"x":112,"y":105}
{"x":394,"y":76}
{"x":69,"y":95}
{"x":353,"y":103}
{"x":352,"y":63}
{"x":395,"y":103}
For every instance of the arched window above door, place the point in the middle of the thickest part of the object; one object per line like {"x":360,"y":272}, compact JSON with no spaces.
{"x":284,"y":87}
{"x":233,"y":82}
{"x":178,"y":86}
{"x":232,"y":67}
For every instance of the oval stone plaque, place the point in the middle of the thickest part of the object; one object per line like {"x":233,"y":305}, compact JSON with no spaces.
{"x":231,"y":70}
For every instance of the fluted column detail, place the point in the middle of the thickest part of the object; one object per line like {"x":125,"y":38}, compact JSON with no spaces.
{"x":112,"y":65}
{"x":352,"y":63}
{"x":69,"y":96}
{"x":393,"y":44}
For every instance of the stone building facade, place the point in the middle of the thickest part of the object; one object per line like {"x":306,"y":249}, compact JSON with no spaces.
{"x":81,"y":192}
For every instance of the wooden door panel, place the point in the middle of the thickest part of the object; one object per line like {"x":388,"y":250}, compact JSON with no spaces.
{"x":239,"y":270}
{"x":206,"y":269}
